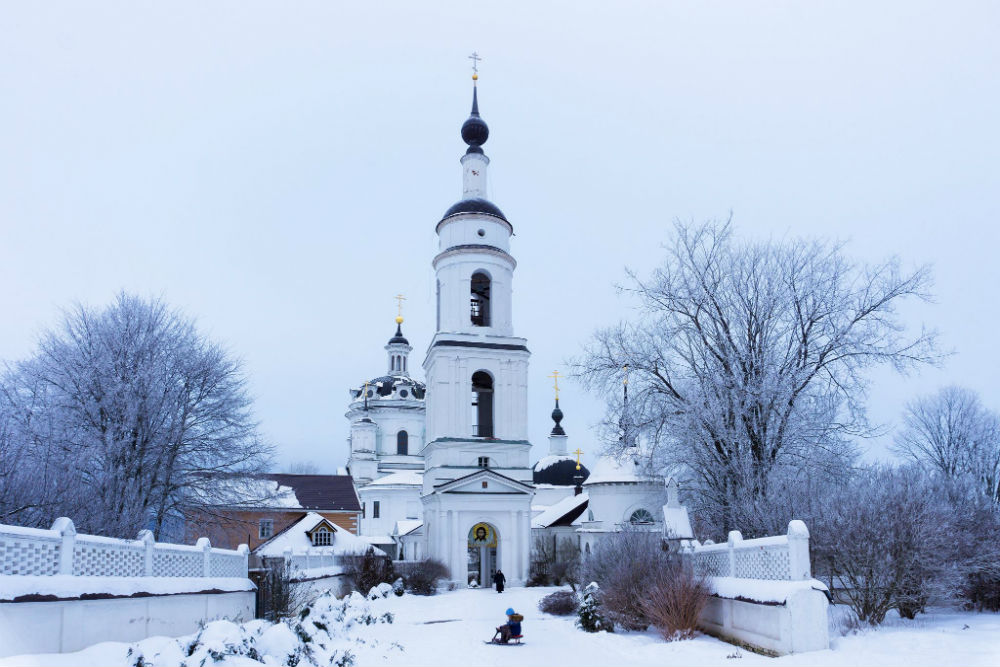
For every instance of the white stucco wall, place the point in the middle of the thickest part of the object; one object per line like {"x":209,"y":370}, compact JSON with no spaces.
{"x":70,"y":625}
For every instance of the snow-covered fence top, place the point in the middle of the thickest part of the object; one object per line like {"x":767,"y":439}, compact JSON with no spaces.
{"x":60,"y":550}
{"x":781,"y":557}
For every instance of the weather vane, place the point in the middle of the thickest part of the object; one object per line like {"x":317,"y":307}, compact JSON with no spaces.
{"x":475,"y":58}
{"x":555,"y":378}
{"x":399,"y":312}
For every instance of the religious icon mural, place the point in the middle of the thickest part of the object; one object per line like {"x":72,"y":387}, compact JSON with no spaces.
{"x":482,"y":535}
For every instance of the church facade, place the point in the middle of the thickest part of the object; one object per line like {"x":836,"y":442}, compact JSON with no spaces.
{"x":443,"y":469}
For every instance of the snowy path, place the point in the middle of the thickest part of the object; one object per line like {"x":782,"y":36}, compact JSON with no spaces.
{"x":937,"y":639}
{"x":449,"y":629}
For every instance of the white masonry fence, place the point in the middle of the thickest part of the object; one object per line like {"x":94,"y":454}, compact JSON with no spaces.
{"x":781,"y":557}
{"x":61,"y":550}
{"x":763,"y":593}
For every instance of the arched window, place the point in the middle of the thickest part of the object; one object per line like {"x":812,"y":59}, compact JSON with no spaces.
{"x":640,"y":516}
{"x":482,"y":404}
{"x":479,"y":300}
{"x":402,"y":443}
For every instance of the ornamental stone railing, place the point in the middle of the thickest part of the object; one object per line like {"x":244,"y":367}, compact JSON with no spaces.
{"x":60,"y":550}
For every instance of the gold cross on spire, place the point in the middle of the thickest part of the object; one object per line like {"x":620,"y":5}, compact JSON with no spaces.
{"x":625,"y":368}
{"x":475,"y":58}
{"x":399,"y":307}
{"x":364,"y":392}
{"x":578,"y":453}
{"x":555,"y":378}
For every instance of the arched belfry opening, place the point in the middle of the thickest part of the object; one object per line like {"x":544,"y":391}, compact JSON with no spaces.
{"x":479,"y":300}
{"x":482,"y":404}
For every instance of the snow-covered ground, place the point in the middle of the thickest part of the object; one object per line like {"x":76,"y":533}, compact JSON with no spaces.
{"x":449,"y":629}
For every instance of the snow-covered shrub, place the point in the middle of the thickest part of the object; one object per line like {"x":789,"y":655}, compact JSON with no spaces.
{"x":380,"y":592}
{"x":624,"y":564}
{"x":589,"y":616}
{"x":675,"y":599}
{"x":423,"y":578}
{"x":560,"y":603}
{"x":398,"y":588}
{"x":367,"y":570}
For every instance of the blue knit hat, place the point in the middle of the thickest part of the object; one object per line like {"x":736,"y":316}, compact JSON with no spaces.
{"x":509,"y":612}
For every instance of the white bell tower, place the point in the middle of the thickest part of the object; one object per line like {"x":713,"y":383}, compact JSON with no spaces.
{"x":477,"y":452}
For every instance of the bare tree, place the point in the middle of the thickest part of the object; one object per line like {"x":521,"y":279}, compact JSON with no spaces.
{"x":951,"y":433}
{"x":126,"y":415}
{"x":751,"y":359}
{"x":302,"y":468}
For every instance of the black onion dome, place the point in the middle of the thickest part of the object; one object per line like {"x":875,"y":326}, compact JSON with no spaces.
{"x":561,"y":473}
{"x":386,"y":385}
{"x":557,"y":416}
{"x":475,"y":205}
{"x":475,"y":132}
{"x":398,"y":338}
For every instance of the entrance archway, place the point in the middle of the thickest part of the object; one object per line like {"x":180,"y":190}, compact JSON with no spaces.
{"x":483,"y":540}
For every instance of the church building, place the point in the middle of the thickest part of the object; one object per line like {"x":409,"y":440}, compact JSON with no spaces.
{"x":443,"y":469}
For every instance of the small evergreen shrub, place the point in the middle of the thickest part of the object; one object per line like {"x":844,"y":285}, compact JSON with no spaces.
{"x":589,"y":616}
{"x":560,"y":603}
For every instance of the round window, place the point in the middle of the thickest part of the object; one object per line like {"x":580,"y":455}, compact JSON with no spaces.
{"x":482,"y":232}
{"x":403,"y":393}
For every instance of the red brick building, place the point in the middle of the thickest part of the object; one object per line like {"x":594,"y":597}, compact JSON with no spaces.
{"x":237,"y":520}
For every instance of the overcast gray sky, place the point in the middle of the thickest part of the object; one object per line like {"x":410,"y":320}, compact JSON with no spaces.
{"x":276,"y":169}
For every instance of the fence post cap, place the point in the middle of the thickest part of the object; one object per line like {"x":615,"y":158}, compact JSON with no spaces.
{"x":64,"y":526}
{"x":243,"y":549}
{"x":203,"y":543}
{"x":146,"y":535}
{"x":735,"y":537}
{"x":797,"y":528}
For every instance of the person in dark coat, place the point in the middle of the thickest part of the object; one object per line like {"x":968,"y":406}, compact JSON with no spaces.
{"x":499,"y":580}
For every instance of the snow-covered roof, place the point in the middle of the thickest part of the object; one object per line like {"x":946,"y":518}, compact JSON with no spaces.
{"x":295,"y":538}
{"x":561,"y":509}
{"x":377,"y":539}
{"x":403,"y":477}
{"x":676,"y":524}
{"x":609,"y":470}
{"x":548,"y":461}
{"x":406,"y":526}
{"x":237,"y":491}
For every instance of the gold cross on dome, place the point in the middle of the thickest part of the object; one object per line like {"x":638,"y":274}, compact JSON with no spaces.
{"x":555,"y":378}
{"x":625,"y":368}
{"x":364,"y":390}
{"x":578,"y":453}
{"x":475,"y":58}
{"x":399,"y":307}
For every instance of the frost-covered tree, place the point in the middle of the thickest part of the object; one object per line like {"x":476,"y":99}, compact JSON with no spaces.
{"x":122,"y":420}
{"x":953,"y":434}
{"x":749,"y":361}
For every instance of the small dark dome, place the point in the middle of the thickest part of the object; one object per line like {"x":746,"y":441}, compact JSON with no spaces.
{"x":475,"y":205}
{"x":558,"y":471}
{"x":474,"y":130}
{"x":557,"y":416}
{"x":398,"y":337}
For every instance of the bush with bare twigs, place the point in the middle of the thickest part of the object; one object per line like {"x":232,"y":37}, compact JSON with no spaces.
{"x":675,"y":599}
